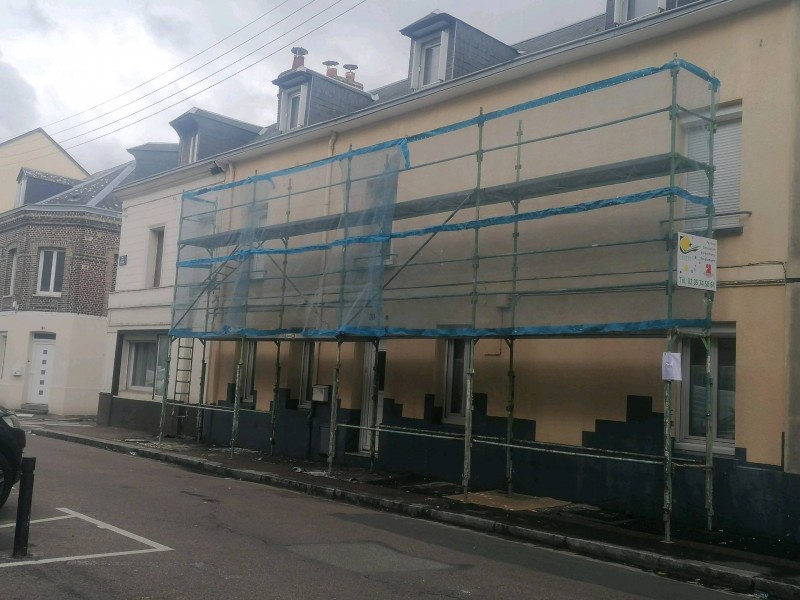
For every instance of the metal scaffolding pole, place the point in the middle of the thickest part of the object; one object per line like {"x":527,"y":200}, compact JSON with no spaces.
{"x":513,"y":307}
{"x":373,"y":438}
{"x":273,"y":411}
{"x":202,"y":394}
{"x":673,"y":115}
{"x":334,"y":406}
{"x":468,"y":421}
{"x":237,"y":396}
{"x":709,"y":296}
{"x":165,"y":393}
{"x":467,"y":471}
{"x":510,"y":419}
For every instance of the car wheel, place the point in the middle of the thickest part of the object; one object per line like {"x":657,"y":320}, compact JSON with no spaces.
{"x":6,"y":479}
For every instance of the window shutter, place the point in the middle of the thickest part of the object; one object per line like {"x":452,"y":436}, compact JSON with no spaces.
{"x":727,"y":177}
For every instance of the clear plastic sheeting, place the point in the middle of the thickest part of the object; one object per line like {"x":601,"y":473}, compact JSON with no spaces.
{"x":557,"y":216}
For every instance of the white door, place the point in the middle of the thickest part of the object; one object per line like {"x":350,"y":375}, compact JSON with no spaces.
{"x":369,"y":415}
{"x":41,"y":371}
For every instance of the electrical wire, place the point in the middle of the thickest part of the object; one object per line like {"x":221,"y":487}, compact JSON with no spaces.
{"x":209,"y":76}
{"x":200,"y":81}
{"x":205,"y":64}
{"x":180,"y":64}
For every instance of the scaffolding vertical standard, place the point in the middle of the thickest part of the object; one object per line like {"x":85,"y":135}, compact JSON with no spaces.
{"x":578,"y":242}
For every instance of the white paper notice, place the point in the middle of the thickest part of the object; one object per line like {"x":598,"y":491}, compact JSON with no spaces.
{"x":671,"y":366}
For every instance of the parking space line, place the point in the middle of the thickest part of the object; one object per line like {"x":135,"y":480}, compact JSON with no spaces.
{"x":71,"y":514}
{"x":127,"y":534}
{"x":44,"y":561}
{"x":40,"y":520}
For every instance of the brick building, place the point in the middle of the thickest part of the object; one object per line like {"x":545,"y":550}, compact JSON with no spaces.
{"x":58,"y":266}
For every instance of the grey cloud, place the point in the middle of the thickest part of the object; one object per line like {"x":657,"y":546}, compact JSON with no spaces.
{"x":168,"y":27}
{"x":18,"y":99}
{"x":37,"y":19}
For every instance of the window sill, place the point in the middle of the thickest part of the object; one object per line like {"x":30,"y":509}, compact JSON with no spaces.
{"x":47,"y":294}
{"x":454,"y":420}
{"x":699,"y":447}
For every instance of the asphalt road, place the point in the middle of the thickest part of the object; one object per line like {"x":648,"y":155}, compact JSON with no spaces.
{"x":109,"y":526}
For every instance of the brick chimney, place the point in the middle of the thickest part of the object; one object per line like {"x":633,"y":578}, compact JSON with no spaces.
{"x":350,"y":75}
{"x":331,"y":64}
{"x":299,"y":54}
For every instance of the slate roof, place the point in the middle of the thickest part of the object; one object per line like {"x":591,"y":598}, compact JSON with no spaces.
{"x":96,"y":191}
{"x":157,"y":147}
{"x":217,"y":117}
{"x":563,"y":35}
{"x":45,"y":176}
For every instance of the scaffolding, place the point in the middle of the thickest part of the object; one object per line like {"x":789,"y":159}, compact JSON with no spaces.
{"x":555,"y":217}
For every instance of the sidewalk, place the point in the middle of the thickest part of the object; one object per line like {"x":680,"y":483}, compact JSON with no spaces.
{"x":534,"y":520}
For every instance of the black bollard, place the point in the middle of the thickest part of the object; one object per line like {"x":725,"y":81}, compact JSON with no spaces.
{"x":24,"y":507}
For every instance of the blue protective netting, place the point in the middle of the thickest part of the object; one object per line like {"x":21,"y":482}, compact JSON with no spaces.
{"x":491,"y":226}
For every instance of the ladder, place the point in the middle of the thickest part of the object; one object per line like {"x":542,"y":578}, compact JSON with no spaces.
{"x":183,"y":370}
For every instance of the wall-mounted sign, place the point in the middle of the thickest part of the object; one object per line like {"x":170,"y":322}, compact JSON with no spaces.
{"x":123,"y":260}
{"x":697,"y":262}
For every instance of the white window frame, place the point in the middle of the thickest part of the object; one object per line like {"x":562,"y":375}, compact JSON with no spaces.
{"x":3,"y":346}
{"x":725,"y":117}
{"x":191,"y":153}
{"x":622,"y":7}
{"x":308,"y":372}
{"x":685,"y":441}
{"x":155,"y":256}
{"x":286,"y":96}
{"x":441,"y":39}
{"x":56,"y":252}
{"x":131,"y":343}
{"x":14,"y":255}
{"x":451,"y":353}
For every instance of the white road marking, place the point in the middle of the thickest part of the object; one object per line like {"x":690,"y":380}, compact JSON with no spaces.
{"x":40,"y":520}
{"x":127,"y":534}
{"x":43,"y":561}
{"x":71,"y":514}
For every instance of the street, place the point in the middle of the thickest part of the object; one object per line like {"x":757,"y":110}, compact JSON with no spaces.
{"x":107,"y":525}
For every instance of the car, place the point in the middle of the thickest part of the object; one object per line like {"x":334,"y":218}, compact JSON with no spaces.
{"x":12,"y":443}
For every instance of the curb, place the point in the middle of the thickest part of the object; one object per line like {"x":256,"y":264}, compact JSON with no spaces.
{"x":738,"y":580}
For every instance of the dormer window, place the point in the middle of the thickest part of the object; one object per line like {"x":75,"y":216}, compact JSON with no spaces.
{"x":293,"y":108}
{"x":627,"y":10}
{"x":429,"y":61}
{"x":189,"y":133}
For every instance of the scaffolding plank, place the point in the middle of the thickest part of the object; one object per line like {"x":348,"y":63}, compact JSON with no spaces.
{"x":648,"y":167}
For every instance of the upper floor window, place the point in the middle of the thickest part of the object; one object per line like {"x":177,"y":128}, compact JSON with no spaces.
{"x":11,"y":275}
{"x":293,"y":108}
{"x":727,"y":170}
{"x":155,"y":257}
{"x":50,"y":279}
{"x":627,"y":10}
{"x":429,"y":61}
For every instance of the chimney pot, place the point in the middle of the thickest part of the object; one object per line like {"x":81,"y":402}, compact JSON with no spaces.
{"x":350,"y":74}
{"x":298,"y":60}
{"x":331,"y":64}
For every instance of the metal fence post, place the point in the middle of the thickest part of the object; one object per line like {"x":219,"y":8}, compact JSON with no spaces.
{"x":23,"y":526}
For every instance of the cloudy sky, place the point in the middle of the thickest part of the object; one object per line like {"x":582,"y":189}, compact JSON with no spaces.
{"x":101,"y":77}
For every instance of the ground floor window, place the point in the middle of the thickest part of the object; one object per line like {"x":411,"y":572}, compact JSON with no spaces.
{"x":308,"y":373}
{"x":142,"y":369}
{"x":455,"y":401}
{"x":146,"y":363}
{"x":723,"y":392}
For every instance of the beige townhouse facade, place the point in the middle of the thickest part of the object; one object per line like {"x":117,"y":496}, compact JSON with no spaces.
{"x":333,"y":269}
